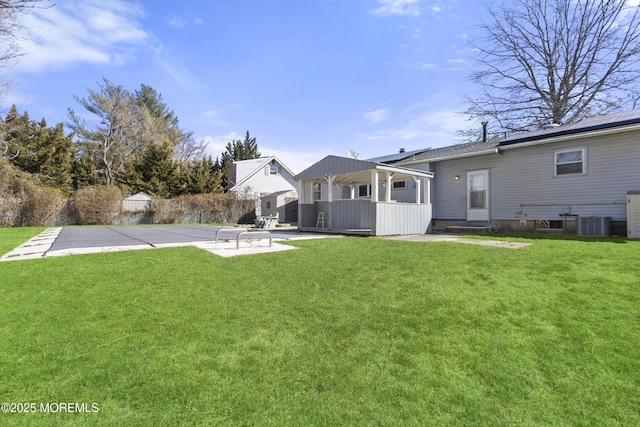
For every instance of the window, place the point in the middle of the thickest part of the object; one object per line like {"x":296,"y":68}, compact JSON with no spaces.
{"x":364,"y":190}
{"x":570,"y":162}
{"x":273,"y":170}
{"x":477,"y":191}
{"x":317,"y":191}
{"x":268,"y":205}
{"x":400,"y":184}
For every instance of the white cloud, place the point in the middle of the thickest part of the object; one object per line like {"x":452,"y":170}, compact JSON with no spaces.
{"x":216,"y":145}
{"x":297,"y":161}
{"x":455,"y":64}
{"x":173,"y":64}
{"x":377,"y":116}
{"x":421,"y":126}
{"x":183,"y":23}
{"x":178,"y":22}
{"x":89,"y":31}
{"x":209,"y":113}
{"x":397,"y":7}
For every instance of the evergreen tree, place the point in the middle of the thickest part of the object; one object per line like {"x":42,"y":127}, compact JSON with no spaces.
{"x":158,"y":124}
{"x":154,"y":172}
{"x":202,"y":176}
{"x":38,"y":149}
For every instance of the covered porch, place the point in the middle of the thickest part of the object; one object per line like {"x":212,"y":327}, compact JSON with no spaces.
{"x":351,"y":196}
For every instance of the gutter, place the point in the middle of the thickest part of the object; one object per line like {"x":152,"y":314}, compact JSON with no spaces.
{"x":571,"y":137}
{"x":494,"y":150}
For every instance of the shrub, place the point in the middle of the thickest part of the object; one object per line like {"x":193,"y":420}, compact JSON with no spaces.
{"x":25,"y":203}
{"x":207,"y":208}
{"x":97,"y":204}
{"x":40,"y":206}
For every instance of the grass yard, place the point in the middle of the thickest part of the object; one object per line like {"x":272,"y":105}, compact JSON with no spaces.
{"x":349,"y":331}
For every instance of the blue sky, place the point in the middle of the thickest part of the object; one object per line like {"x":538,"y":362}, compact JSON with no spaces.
{"x":307,"y":78}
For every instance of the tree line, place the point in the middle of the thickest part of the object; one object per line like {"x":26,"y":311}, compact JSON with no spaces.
{"x":131,"y":140}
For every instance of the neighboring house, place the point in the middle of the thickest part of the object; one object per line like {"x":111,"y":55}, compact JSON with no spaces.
{"x":354,"y":196}
{"x":137,"y":202}
{"x":270,"y":182}
{"x":573,"y":177}
{"x":281,"y":204}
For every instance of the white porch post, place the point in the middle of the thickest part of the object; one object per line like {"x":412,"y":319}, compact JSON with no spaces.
{"x":352,"y":192}
{"x":387,"y":189}
{"x":300,"y":201}
{"x":427,"y":196}
{"x":374,"y":186}
{"x":418,"y":189}
{"x":301,"y":195}
{"x":330,"y":179}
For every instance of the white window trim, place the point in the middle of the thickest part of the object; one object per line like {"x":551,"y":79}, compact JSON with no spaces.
{"x":569,"y":150}
{"x":368,"y":192}
{"x":317,"y":193}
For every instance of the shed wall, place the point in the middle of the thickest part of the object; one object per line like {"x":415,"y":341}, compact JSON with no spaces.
{"x":402,"y":218}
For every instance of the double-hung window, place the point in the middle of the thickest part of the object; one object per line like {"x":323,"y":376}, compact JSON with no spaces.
{"x":317,"y":191}
{"x":570,"y":162}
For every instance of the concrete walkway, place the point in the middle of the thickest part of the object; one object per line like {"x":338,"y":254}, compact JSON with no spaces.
{"x":458,"y":239}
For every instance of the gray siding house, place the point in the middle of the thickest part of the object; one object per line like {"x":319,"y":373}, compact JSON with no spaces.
{"x":566,"y":177}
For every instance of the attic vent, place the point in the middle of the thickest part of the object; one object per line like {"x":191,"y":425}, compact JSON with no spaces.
{"x":550,"y":126}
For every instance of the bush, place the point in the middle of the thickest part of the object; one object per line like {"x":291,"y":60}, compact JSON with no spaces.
{"x":25,"y":203}
{"x":97,"y":205}
{"x":40,"y":206}
{"x":203,"y":208}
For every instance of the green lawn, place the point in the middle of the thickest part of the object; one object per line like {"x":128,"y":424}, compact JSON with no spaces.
{"x":350,"y":331}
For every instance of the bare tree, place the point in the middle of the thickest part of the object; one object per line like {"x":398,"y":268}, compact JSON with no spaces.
{"x":115,"y":136}
{"x":10,"y":27}
{"x":190,"y":149}
{"x":556,"y":61}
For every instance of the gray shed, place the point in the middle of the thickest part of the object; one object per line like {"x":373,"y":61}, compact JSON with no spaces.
{"x":352,"y":196}
{"x":137,"y":202}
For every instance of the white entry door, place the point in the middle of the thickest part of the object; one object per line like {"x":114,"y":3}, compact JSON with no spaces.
{"x":633,"y":214}
{"x":478,"y":195}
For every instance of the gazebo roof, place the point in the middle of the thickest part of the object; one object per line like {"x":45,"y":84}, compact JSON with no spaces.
{"x":347,"y":171}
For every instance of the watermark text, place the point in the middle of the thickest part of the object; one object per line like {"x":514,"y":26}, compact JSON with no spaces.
{"x":49,"y":407}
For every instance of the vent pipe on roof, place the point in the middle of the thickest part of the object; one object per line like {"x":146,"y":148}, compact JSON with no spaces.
{"x":401,"y":150}
{"x":484,"y":131}
{"x":550,"y":126}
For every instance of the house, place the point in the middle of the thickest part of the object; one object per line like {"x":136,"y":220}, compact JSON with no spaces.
{"x":352,"y":196}
{"x":270,"y":182}
{"x":573,"y":177}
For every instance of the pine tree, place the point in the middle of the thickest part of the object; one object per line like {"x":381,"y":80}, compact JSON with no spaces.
{"x":38,"y":149}
{"x":155,"y":172}
{"x":201,"y":176}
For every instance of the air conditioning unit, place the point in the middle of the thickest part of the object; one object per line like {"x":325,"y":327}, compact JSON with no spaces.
{"x":593,"y":226}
